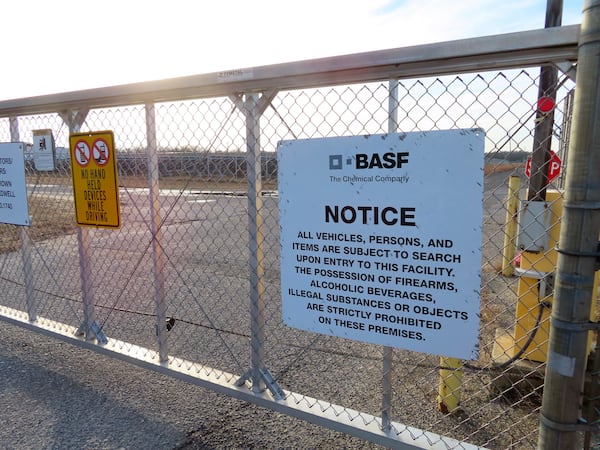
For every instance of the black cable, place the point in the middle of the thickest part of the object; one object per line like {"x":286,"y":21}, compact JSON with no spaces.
{"x":521,"y":352}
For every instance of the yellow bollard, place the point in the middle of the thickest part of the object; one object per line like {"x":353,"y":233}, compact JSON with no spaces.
{"x":510,"y":227}
{"x":450,"y":388}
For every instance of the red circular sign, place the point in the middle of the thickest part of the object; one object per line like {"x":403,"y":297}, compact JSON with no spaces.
{"x":545,"y":105}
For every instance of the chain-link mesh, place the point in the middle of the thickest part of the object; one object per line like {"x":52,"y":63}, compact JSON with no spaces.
{"x":181,"y":271}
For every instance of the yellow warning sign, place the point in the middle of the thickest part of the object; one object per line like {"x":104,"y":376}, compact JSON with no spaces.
{"x":95,"y":184}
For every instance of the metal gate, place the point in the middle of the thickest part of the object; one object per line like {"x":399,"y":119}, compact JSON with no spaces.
{"x":190,"y":285}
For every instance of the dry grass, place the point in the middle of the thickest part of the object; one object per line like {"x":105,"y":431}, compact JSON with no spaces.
{"x":194,"y":184}
{"x":499,"y":168}
{"x":51,"y":218}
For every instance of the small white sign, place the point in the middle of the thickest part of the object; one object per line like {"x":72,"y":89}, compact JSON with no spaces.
{"x":228,"y":76}
{"x":381,"y":238}
{"x":13,"y":188}
{"x":44,"y":155}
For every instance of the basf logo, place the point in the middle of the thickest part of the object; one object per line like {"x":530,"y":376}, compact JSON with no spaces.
{"x":360,"y":161}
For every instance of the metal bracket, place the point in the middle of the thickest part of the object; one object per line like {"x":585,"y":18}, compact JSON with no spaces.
{"x":529,"y":273}
{"x":595,"y":254}
{"x":576,"y":327}
{"x":242,"y":380}
{"x":582,"y":205}
{"x":581,"y":425}
{"x":579,"y":253}
{"x":546,"y":287}
{"x":546,"y":280}
{"x":94,"y":329}
{"x":570,"y":70}
{"x":269,"y":381}
{"x":272,"y":385}
{"x":262,"y":102}
{"x":74,"y":118}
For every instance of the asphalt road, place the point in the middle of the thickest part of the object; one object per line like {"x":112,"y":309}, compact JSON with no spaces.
{"x":56,"y":396}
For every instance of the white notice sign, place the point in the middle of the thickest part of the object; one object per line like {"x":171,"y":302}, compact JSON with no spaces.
{"x":44,"y":154}
{"x":13,"y":189}
{"x":381,"y":238}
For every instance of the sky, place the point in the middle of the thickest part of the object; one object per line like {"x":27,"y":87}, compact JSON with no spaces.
{"x":53,"y":46}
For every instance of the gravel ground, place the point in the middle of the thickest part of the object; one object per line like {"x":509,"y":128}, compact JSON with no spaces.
{"x":56,"y":396}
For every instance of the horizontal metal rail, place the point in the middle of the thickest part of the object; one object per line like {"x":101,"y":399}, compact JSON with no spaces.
{"x":333,"y":416}
{"x":512,"y":50}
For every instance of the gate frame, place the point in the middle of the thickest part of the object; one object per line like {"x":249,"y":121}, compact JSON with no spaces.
{"x":534,"y":48}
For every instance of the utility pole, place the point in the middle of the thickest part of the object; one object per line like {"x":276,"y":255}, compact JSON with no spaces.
{"x":544,"y":121}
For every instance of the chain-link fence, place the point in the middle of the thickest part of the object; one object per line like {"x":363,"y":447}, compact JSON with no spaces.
{"x":190,"y":283}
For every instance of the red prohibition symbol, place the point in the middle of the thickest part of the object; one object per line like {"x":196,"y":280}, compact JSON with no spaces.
{"x":82,"y":153}
{"x":100,"y":152}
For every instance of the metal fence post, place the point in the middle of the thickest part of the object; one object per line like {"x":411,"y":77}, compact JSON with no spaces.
{"x":255,"y":230}
{"x":89,"y":328}
{"x":155,"y":229}
{"x":252,"y":106}
{"x":574,"y":293}
{"x":388,"y":352}
{"x":28,"y":273}
{"x":13,"y":122}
